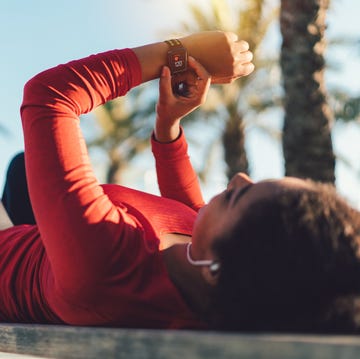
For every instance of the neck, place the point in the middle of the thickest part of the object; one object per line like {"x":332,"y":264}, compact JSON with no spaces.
{"x":188,"y":280}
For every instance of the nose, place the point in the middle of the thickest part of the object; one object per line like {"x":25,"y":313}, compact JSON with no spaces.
{"x":239,"y":180}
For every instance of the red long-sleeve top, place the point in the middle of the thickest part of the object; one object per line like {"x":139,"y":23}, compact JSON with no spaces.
{"x":94,"y":257}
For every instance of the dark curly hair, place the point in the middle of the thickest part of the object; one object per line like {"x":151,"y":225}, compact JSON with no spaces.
{"x":291,"y":264}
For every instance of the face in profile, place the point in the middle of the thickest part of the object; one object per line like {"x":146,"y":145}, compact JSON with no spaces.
{"x":224,"y":210}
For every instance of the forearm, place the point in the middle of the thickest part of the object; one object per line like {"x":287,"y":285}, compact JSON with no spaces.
{"x":79,"y":86}
{"x":152,"y":58}
{"x":166,"y":134}
{"x":221,"y":53}
{"x":177,"y":178}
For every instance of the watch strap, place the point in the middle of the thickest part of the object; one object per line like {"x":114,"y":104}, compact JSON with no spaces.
{"x":177,"y":56}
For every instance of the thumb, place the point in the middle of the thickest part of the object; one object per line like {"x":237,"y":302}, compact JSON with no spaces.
{"x":165,"y":82}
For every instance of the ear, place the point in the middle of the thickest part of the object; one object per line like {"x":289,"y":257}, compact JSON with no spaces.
{"x":210,"y":276}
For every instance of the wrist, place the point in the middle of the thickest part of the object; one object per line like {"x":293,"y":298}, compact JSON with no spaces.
{"x":152,"y":58}
{"x":177,"y":56}
{"x":166,"y":134}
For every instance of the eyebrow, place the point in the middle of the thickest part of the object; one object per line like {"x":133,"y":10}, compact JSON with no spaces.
{"x":241,"y":193}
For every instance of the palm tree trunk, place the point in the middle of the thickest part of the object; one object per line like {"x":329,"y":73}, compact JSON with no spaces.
{"x":114,"y":170}
{"x":307,"y":141}
{"x":234,"y":144}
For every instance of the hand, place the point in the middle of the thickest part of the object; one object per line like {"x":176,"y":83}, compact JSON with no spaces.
{"x":221,"y":53}
{"x":171,"y":108}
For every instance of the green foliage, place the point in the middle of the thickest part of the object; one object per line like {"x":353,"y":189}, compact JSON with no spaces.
{"x":347,"y":108}
{"x":126,"y":123}
{"x":238,"y":104}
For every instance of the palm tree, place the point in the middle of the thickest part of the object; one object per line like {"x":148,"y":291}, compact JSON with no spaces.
{"x":307,"y":141}
{"x":131,"y":128}
{"x":251,"y":21}
{"x":125,"y":125}
{"x":124,"y":130}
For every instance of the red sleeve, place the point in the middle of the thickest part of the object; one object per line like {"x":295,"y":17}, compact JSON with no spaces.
{"x":176,"y":176}
{"x":78,"y":223}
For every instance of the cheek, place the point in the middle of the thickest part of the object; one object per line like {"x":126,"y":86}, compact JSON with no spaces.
{"x":200,"y":225}
{"x":201,"y":217}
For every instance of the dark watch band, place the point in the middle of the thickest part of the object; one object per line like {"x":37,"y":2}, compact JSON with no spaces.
{"x":177,"y":56}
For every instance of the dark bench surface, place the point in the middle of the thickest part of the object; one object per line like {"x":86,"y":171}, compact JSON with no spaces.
{"x":52,"y":341}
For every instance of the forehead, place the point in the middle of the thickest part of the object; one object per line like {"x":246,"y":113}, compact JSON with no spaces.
{"x":288,"y":182}
{"x":273,"y":187}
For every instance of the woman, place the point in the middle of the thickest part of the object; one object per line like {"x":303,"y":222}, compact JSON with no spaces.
{"x":260,"y":256}
{"x":102,"y":255}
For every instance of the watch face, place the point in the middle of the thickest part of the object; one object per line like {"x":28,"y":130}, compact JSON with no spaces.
{"x":177,"y":60}
{"x":181,"y":88}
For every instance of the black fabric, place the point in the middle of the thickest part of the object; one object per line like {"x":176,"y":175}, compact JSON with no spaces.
{"x":16,"y":196}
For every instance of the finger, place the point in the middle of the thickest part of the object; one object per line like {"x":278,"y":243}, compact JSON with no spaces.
{"x":243,"y":46}
{"x":247,"y":69}
{"x":244,"y":57}
{"x":203,"y":78}
{"x":249,"y":56}
{"x":165,"y":82}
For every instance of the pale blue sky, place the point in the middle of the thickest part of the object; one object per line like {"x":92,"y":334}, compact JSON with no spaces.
{"x":38,"y":34}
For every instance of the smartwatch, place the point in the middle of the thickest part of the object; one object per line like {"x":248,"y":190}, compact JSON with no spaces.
{"x":177,"y":56}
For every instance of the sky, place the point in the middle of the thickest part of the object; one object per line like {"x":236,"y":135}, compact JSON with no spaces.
{"x":38,"y":34}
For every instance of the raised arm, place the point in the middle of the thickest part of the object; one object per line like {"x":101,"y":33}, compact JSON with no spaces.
{"x":176,"y":176}
{"x":78,"y":223}
{"x":74,"y":216}
{"x":222,"y":59}
{"x":222,"y":54}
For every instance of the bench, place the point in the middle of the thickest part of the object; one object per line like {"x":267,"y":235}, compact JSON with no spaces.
{"x":53,"y":341}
